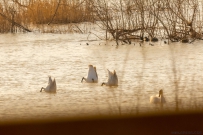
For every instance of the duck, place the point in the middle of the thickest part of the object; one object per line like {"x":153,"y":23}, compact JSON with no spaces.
{"x":51,"y":87}
{"x":112,"y":79}
{"x":92,"y":76}
{"x":158,"y":99}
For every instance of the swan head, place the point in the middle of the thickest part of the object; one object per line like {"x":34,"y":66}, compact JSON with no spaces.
{"x":160,"y":93}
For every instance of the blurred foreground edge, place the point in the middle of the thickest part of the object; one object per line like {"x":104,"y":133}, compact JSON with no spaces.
{"x":190,"y":123}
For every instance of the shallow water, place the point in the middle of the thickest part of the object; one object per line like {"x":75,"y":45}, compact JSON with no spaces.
{"x":27,"y":60}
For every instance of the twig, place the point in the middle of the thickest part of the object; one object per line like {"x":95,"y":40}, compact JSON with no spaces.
{"x":79,"y":29}
{"x":55,"y":12}
{"x":93,"y":34}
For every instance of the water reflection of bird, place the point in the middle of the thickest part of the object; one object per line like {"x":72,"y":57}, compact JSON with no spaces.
{"x":51,"y":87}
{"x":158,"y":98}
{"x":112,"y":79}
{"x":92,"y":76}
{"x":151,"y":44}
{"x":125,"y":41}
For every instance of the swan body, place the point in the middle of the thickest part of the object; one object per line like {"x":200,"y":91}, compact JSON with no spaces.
{"x":112,"y":79}
{"x":158,"y":98}
{"x":51,"y":87}
{"x":92,"y":76}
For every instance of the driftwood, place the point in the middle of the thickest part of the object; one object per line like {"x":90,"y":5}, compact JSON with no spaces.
{"x":15,"y":23}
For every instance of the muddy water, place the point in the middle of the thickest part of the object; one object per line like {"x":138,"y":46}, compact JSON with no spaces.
{"x":27,"y":60}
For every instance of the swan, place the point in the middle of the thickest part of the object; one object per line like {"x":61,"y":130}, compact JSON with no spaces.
{"x":112,"y":79}
{"x":92,"y":76}
{"x":158,"y":98}
{"x":51,"y":87}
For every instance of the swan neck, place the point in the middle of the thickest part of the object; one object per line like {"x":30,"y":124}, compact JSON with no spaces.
{"x":161,"y":97}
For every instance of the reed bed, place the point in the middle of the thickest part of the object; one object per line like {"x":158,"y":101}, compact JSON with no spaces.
{"x":22,"y":15}
{"x":124,"y":20}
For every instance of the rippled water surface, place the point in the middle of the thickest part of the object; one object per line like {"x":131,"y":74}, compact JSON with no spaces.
{"x":27,"y":60}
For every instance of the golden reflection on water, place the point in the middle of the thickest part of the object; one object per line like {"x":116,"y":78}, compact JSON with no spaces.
{"x":27,"y":60}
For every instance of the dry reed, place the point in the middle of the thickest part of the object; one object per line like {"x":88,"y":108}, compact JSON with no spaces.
{"x":16,"y":15}
{"x":175,"y":20}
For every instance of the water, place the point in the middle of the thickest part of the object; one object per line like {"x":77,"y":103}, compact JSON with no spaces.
{"x":27,"y":60}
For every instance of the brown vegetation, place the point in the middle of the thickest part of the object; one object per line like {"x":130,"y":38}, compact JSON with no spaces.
{"x":176,"y":20}
{"x":18,"y":15}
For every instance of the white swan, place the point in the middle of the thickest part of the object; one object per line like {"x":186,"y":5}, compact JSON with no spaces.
{"x":51,"y":87}
{"x":158,"y":98}
{"x":92,"y":76}
{"x":112,"y":79}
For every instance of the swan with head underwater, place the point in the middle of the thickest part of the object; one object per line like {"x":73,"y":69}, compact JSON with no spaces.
{"x":112,"y":79}
{"x":158,"y":99}
{"x":92,"y":76}
{"x":51,"y":87}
